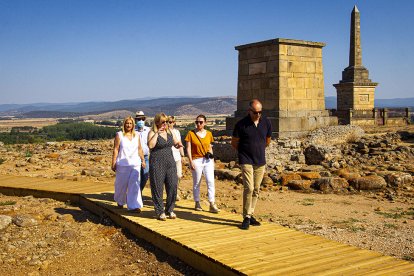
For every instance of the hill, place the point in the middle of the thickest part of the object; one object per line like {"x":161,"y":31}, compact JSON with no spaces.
{"x":178,"y":106}
{"x":173,"y":105}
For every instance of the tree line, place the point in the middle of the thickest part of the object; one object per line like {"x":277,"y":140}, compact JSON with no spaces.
{"x":59,"y":132}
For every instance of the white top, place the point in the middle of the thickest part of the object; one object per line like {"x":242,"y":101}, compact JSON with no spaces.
{"x":128,"y":151}
{"x":143,"y":135}
{"x":176,"y":152}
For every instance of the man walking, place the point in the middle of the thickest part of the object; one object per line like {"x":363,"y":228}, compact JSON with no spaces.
{"x":142,"y":131}
{"x":251,"y":136}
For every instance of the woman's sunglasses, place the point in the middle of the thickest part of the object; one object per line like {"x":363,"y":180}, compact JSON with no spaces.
{"x":171,"y":122}
{"x":199,"y":122}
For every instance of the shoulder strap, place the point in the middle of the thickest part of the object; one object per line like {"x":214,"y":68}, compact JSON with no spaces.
{"x":200,"y":141}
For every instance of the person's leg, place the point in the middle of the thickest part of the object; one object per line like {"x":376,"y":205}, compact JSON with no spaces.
{"x":197,"y":173}
{"x":248,"y":186}
{"x":179,"y":175}
{"x":134,"y":199}
{"x":179,"y":166}
{"x":258,"y":172}
{"x":171,"y":189}
{"x":121,"y":184}
{"x":157,"y":188}
{"x":208,"y":170}
{"x":144,"y":174}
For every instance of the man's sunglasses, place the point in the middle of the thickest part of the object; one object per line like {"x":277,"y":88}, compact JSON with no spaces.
{"x":256,"y":113}
{"x":140,"y":119}
{"x":199,"y":122}
{"x":171,"y":122}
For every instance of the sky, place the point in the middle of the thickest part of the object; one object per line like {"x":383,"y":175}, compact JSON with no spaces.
{"x":58,"y":51}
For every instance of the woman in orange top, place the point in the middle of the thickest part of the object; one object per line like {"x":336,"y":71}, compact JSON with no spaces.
{"x":201,"y":160}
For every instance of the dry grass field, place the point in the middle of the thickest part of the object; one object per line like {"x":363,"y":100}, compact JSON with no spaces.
{"x":7,"y":125}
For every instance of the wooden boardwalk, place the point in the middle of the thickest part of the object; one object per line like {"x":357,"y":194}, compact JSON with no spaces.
{"x":213,"y":243}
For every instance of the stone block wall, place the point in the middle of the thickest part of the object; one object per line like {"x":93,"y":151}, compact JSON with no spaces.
{"x":286,"y":75}
{"x":351,"y":96}
{"x":301,"y":84}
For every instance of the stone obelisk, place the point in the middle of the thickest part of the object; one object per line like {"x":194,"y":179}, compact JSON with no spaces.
{"x":355,"y":91}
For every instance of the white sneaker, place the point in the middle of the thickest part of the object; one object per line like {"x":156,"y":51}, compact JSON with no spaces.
{"x":172,"y":215}
{"x":162,"y":217}
{"x":214,"y":208}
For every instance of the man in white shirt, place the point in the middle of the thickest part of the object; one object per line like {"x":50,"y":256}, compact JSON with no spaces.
{"x":142,"y":131}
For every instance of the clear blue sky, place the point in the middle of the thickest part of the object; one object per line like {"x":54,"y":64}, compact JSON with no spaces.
{"x":75,"y":51}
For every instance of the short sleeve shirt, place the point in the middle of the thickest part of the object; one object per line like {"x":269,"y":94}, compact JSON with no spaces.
{"x":252,"y":140}
{"x":197,"y":150}
{"x":143,"y":134}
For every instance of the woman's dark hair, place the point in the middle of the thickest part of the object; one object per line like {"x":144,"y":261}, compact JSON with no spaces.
{"x":202,"y":116}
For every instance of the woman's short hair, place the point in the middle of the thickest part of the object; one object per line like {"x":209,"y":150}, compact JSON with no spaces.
{"x":171,"y":118}
{"x":159,"y":117}
{"x":133,"y":125}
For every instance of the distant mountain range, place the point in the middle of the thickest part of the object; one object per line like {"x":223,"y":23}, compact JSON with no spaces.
{"x":151,"y":106}
{"x":173,"y":105}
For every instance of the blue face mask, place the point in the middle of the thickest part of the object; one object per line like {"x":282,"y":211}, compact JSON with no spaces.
{"x":140,"y":124}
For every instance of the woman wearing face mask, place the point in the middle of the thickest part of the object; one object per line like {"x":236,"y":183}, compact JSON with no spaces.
{"x":162,"y":167}
{"x":200,"y":157}
{"x":127,"y":160}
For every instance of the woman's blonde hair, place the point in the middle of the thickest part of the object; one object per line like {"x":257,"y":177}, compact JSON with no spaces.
{"x":133,"y":125}
{"x":159,"y":117}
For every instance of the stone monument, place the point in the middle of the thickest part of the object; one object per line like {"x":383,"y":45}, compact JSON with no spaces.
{"x":355,"y":92}
{"x":286,"y":75}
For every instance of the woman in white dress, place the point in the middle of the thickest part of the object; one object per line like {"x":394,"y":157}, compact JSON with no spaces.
{"x":127,"y":160}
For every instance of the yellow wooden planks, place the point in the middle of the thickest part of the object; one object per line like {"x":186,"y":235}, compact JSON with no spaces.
{"x":266,"y":250}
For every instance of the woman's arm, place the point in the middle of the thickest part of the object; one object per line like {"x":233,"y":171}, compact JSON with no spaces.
{"x":190,"y":157}
{"x":177,"y":142}
{"x":152,"y":139}
{"x":211,"y":143}
{"x":115,"y":152}
{"x":181,"y":149}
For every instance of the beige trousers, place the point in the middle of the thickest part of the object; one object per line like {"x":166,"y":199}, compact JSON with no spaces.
{"x":252,"y":178}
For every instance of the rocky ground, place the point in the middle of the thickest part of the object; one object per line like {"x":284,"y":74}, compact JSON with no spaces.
{"x":345,"y":184}
{"x":47,"y":237}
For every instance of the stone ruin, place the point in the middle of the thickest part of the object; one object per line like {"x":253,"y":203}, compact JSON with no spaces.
{"x":356,"y":92}
{"x":286,"y":75}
